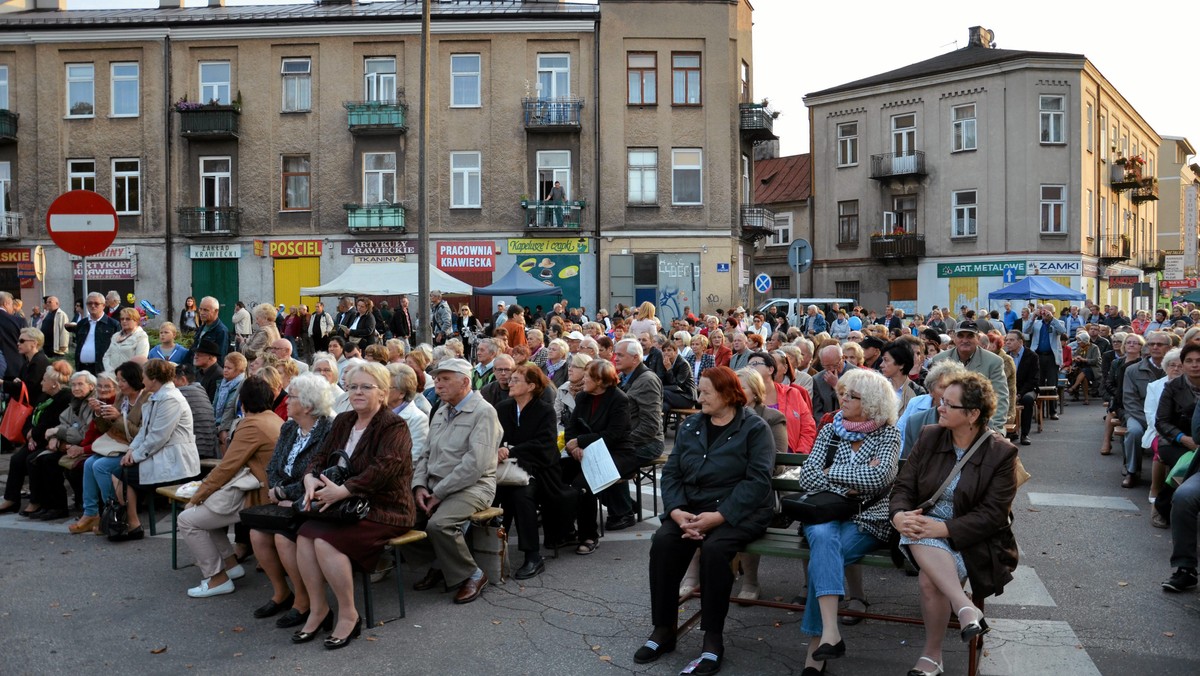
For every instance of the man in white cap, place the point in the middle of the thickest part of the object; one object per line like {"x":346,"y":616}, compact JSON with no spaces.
{"x":454,"y":478}
{"x":574,"y":339}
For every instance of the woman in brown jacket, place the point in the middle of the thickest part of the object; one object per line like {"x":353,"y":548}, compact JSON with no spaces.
{"x":380,"y":468}
{"x":966,"y":533}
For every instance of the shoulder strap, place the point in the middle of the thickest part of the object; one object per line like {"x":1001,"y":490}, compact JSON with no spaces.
{"x":924,"y":506}
{"x":831,"y":449}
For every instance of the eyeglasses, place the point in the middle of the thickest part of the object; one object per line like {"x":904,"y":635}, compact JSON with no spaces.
{"x":756,"y":363}
{"x":92,"y":302}
{"x":943,"y":402}
{"x":850,"y":395}
{"x":1158,"y":344}
{"x":26,"y":340}
{"x":361,"y":388}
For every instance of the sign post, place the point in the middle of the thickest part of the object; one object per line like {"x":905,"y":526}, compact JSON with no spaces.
{"x":82,"y":223}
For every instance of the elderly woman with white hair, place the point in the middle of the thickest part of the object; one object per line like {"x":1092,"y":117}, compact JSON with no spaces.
{"x":310,"y":417}
{"x":403,"y":400}
{"x":264,"y":332}
{"x":556,"y":362}
{"x":1085,"y":364}
{"x":855,"y":456}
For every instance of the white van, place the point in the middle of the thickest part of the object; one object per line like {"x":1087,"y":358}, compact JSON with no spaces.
{"x":795,"y":308}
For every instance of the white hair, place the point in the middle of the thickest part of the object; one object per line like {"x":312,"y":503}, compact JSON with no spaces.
{"x":632,"y":347}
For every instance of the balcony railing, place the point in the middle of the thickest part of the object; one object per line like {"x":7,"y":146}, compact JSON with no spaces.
{"x":898,"y":165}
{"x":757,"y":122}
{"x":1151,"y":261}
{"x":541,"y":215}
{"x":8,"y":126}
{"x":1122,"y":178}
{"x":892,"y":247}
{"x":1147,"y":191}
{"x":382,"y":217}
{"x":217,"y":123}
{"x":1113,"y":249}
{"x":209,"y":221}
{"x":376,"y":117}
{"x":555,"y":114}
{"x":10,"y":226}
{"x":758,"y":222}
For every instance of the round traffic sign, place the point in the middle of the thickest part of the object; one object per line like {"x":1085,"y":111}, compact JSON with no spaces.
{"x":762,"y":283}
{"x":81,"y":222}
{"x":800,"y":256}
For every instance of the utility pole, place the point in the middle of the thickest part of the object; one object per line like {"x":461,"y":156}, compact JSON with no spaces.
{"x":423,"y":258}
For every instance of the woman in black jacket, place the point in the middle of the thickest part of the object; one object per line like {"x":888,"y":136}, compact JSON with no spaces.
{"x":717,"y":492}
{"x":468,"y":329}
{"x":46,"y":487}
{"x":531,"y":441}
{"x":601,"y":412}
{"x":360,"y":326}
{"x":679,"y":390}
{"x":32,"y":368}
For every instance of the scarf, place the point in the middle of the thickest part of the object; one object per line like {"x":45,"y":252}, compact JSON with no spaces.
{"x":853,"y":431}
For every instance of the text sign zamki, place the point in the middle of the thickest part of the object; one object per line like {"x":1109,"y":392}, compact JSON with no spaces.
{"x":81,"y":222}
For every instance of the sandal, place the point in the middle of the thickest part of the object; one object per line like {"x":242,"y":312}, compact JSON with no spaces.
{"x":850,"y":621}
{"x":586,"y":547}
{"x":937,"y":668}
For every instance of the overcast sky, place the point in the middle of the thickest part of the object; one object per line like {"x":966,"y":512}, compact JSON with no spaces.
{"x":1146,"y":50}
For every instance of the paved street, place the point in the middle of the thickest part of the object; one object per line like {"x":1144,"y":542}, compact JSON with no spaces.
{"x":1086,"y":601}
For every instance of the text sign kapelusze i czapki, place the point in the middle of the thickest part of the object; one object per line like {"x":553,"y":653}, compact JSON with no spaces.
{"x":81,"y":222}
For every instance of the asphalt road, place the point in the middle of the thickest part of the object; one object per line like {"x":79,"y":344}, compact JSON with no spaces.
{"x":1086,"y":601}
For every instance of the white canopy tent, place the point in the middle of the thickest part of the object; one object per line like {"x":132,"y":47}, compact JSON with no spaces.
{"x":385,"y":279}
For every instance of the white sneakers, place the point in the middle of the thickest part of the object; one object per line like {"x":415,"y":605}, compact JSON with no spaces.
{"x":204,"y":591}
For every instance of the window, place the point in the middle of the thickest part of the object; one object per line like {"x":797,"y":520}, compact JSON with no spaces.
{"x":904,"y":135}
{"x":747,"y":194}
{"x":1091,"y":225}
{"x":125,"y":89}
{"x":127,"y":186}
{"x":966,"y":211}
{"x":379,"y":178}
{"x":553,"y":166}
{"x":846,"y":289}
{"x":1052,"y":118}
{"x":1103,"y":215}
{"x":847,"y":153}
{"x":1089,"y":126}
{"x":5,"y":186}
{"x":686,"y":176}
{"x":464,"y":80}
{"x":964,"y":127}
{"x":685,"y":79}
{"x":4,"y":88}
{"x":1150,"y":170}
{"x":297,"y":85}
{"x":81,"y":175}
{"x":904,"y":214}
{"x":216,"y":181}
{"x":1103,"y":137}
{"x":296,"y":175}
{"x":1054,"y":203}
{"x":781,"y":283}
{"x":745,"y":82}
{"x":553,"y":76}
{"x":215,"y":79}
{"x":81,"y":90}
{"x":466,"y":177}
{"x":848,"y":223}
{"x":643,"y":176}
{"x":379,"y":79}
{"x":783,"y":230}
{"x":642,"y":69}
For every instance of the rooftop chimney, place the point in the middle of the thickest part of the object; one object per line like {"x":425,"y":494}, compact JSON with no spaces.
{"x":978,"y":36}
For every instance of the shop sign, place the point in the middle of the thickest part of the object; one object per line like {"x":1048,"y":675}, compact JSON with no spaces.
{"x":1122,"y":281}
{"x":466,"y":256}
{"x":378,"y":259}
{"x":548,"y":246}
{"x":111,"y":253}
{"x":1179,"y":283}
{"x":107,"y":269}
{"x":199,"y":251}
{"x":989,"y":269}
{"x":1173,"y":266}
{"x":290,"y":248}
{"x":1055,"y":268}
{"x":15,"y":256}
{"x":395,"y":249}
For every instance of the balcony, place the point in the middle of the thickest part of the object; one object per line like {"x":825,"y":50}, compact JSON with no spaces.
{"x":382,"y":217}
{"x":897,"y":246}
{"x":1113,"y":249}
{"x":548,"y":218}
{"x":898,"y":165}
{"x":365,"y":118}
{"x":1147,"y":191}
{"x":557,"y":114}
{"x":757,"y":122}
{"x":1151,"y":261}
{"x":758,"y":222}
{"x":1124,"y":177}
{"x":209,"y":221}
{"x":209,"y":123}
{"x":10,"y":226}
{"x":8,"y":126}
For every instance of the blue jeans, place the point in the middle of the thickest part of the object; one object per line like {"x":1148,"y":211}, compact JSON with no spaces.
{"x":97,"y":482}
{"x":832,"y":547}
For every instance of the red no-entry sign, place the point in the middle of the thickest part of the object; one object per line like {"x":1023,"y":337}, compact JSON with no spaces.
{"x":81,"y":222}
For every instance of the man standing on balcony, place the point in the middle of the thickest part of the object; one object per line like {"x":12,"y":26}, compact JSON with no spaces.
{"x":555,"y":199}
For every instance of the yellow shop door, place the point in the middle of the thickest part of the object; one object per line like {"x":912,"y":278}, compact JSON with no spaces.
{"x":293,"y":273}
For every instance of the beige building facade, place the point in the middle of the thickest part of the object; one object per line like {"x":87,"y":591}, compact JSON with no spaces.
{"x":942,"y":181}
{"x":1178,"y":188}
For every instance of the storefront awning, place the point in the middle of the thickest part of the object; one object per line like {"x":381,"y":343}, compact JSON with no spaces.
{"x":385,"y":279}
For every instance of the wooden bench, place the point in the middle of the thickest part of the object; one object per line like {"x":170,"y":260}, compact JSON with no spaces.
{"x":676,"y":416}
{"x":394,"y":545}
{"x":648,"y":475}
{"x":207,"y":465}
{"x":789,"y":544}
{"x":1040,"y":406}
{"x":171,"y":494}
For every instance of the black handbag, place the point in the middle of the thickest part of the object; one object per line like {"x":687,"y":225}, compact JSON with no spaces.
{"x":348,"y":510}
{"x":819,"y":507}
{"x":275,"y":518}
{"x":114,"y":518}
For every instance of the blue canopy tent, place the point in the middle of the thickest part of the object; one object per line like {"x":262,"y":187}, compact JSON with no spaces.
{"x":1036,"y":287}
{"x":517,"y":282}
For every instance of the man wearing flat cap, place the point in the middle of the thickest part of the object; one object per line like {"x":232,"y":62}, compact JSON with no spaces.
{"x":454,"y":478}
{"x":872,"y":352}
{"x":205,"y":357}
{"x":974,"y":358}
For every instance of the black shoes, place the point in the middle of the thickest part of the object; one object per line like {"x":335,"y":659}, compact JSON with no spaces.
{"x":705,"y":665}
{"x":271,"y":608}
{"x":333,"y":643}
{"x":970,"y":630}
{"x":532,"y":568}
{"x":620,"y":522}
{"x":829,"y":652}
{"x":292,"y":618}
{"x":302,"y":636}
{"x":431,"y":579}
{"x":1025,"y":441}
{"x":135,"y":534}
{"x":651,"y":651}
{"x":1183,"y":580}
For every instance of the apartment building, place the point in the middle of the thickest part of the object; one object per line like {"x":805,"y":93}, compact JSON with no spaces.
{"x":254,"y":150}
{"x":1178,"y":182}
{"x":783,"y":185}
{"x":944,"y":180}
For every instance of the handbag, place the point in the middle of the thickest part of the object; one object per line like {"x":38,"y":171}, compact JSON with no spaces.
{"x":347,"y":510}
{"x":12,"y":425}
{"x":270,"y":518}
{"x":109,"y":447}
{"x":1021,"y":474}
{"x":509,"y":473}
{"x":114,"y":519}
{"x":817,"y":507}
{"x":229,"y":498}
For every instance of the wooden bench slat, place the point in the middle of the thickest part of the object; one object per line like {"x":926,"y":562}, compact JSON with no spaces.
{"x":485,"y":515}
{"x":408,"y":538}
